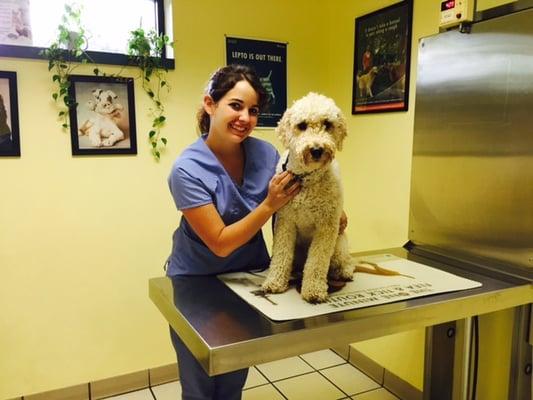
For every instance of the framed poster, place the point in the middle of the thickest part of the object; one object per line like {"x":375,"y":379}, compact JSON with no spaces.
{"x":269,"y":59}
{"x":382,"y":57}
{"x":9,"y":115}
{"x":103,"y":120}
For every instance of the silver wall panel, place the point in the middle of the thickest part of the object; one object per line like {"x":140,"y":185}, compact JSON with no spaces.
{"x":472,"y":177}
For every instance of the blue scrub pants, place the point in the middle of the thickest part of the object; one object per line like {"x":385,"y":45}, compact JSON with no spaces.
{"x":197,"y":385}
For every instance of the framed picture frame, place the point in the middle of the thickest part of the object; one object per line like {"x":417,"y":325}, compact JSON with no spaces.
{"x":9,"y":115}
{"x":382,"y":57}
{"x":103,"y":118}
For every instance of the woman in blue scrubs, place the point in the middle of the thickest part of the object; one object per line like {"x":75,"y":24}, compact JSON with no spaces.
{"x":226,"y":188}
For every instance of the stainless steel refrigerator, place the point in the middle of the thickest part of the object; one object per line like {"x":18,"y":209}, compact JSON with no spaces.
{"x":472,"y":167}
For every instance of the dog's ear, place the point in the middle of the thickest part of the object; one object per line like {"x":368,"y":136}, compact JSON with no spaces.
{"x":284,"y":128}
{"x":340,"y":130}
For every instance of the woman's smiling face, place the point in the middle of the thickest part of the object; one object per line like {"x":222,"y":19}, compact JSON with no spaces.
{"x":234,"y":115}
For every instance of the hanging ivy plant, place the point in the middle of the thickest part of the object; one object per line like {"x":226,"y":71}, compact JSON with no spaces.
{"x":146,"y":51}
{"x":64,"y":55}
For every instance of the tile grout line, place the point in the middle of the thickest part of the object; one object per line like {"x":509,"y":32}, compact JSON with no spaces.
{"x":290,"y":377}
{"x":325,"y":377}
{"x":261,"y":373}
{"x":150,"y":384}
{"x":279,"y":391}
{"x":317,"y":370}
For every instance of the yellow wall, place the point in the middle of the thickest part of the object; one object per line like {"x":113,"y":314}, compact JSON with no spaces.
{"x":80,"y":236}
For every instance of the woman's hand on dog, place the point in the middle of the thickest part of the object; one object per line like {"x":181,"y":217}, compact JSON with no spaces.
{"x":282,"y":189}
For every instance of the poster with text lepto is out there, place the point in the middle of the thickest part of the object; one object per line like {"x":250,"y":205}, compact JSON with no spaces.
{"x":269,"y":59}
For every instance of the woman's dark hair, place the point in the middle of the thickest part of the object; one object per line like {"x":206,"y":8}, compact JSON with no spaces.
{"x":222,"y":81}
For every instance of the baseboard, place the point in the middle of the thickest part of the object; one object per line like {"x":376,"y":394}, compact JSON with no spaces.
{"x":111,"y":386}
{"x":119,"y":384}
{"x":77,"y":392}
{"x":343,"y":351}
{"x":165,"y":374}
{"x":169,"y":373}
{"x":393,"y":383}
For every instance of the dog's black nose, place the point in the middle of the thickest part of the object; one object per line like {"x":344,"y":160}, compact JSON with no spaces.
{"x":316,"y":152}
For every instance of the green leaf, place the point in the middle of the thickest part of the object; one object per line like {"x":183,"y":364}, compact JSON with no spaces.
{"x":154,"y":144}
{"x":158,"y":155}
{"x":64,"y":125}
{"x":163,"y":83}
{"x":96,"y":71}
{"x":151,"y":134}
{"x":61,"y":113}
{"x":54,"y":95}
{"x":162,"y":119}
{"x":55,"y":78}
{"x":164,"y":140}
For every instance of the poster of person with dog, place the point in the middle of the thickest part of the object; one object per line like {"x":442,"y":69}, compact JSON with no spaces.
{"x":382,"y":59}
{"x":103,"y":121}
{"x":269,"y":59}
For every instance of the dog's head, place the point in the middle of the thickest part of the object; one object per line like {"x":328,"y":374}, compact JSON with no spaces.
{"x":313,"y":130}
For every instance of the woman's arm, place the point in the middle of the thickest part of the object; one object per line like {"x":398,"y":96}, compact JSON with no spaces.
{"x":224,"y":239}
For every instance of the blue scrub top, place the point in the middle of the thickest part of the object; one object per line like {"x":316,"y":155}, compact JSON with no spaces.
{"x":197,"y":178}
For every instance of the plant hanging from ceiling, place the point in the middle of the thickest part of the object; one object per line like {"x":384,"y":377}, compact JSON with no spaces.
{"x":146,"y":51}
{"x":64,"y":55}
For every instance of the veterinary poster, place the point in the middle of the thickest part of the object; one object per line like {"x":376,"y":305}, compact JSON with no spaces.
{"x":382,"y":59}
{"x":15,"y":25}
{"x":414,"y":280}
{"x":269,"y":59}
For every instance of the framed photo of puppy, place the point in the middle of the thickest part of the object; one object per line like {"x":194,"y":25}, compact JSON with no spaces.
{"x":382,"y":58}
{"x":103,"y":120}
{"x":9,"y":116}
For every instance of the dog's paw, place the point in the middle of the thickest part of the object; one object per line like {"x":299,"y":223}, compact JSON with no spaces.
{"x":346,"y":272}
{"x":315,"y":293}
{"x":274,"y":286}
{"x":96,"y":142}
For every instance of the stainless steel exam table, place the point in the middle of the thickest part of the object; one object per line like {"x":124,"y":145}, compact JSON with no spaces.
{"x":225,"y":333}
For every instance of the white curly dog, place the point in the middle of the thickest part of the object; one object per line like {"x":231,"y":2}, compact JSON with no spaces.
{"x":306,"y":231}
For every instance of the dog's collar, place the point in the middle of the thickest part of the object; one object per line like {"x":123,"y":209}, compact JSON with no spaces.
{"x":296,"y":176}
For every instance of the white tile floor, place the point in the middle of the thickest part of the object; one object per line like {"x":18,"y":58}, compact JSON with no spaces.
{"x":322,"y":375}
